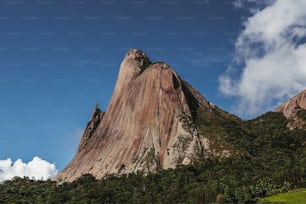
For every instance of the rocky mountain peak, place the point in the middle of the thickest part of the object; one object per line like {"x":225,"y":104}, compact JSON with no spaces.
{"x":138,"y":59}
{"x":144,"y":126}
{"x":134,"y":63}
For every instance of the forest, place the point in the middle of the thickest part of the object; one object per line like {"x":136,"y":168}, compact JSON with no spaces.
{"x":269,"y":159}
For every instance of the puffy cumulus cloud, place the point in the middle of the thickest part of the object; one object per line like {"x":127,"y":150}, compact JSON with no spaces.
{"x":271,"y":50}
{"x":37,"y":169}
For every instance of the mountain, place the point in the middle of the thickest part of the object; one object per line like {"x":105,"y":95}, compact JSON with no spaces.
{"x":156,"y":121}
{"x":149,"y":125}
{"x":295,"y":110}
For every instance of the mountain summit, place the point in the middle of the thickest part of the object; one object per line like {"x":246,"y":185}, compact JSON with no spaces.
{"x":149,"y":124}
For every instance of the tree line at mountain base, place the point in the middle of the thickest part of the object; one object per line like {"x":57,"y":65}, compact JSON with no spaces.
{"x":271,"y":159}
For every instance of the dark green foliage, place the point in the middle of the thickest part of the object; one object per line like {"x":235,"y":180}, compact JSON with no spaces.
{"x":302,"y":114}
{"x":269,"y":159}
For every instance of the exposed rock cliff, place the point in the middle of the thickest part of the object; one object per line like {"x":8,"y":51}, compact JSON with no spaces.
{"x":144,"y":127}
{"x":295,"y":110}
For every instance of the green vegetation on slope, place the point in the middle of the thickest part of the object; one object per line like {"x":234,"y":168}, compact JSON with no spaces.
{"x":269,"y":159}
{"x":292,"y":197}
{"x":301,"y":114}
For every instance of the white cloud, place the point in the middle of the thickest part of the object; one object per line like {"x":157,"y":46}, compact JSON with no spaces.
{"x":37,"y":169}
{"x":272,"y":51}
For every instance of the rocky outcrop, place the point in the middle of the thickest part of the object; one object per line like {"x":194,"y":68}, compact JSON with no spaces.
{"x":93,"y":123}
{"x":144,"y":126}
{"x":295,"y":110}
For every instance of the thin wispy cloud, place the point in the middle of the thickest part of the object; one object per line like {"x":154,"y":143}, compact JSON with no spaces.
{"x":79,"y":132}
{"x":271,"y":50}
{"x":198,"y":59}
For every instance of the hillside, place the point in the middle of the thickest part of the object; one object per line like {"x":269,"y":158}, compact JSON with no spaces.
{"x":292,"y":197}
{"x":271,"y":159}
{"x":160,"y":141}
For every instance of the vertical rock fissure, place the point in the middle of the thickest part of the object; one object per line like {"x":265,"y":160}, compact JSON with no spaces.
{"x":158,"y":120}
{"x":174,"y":78}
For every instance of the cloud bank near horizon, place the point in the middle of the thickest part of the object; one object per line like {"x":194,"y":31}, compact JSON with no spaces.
{"x":271,"y":50}
{"x":36,"y":169}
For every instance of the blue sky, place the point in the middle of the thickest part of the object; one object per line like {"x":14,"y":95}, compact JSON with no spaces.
{"x":58,"y":58}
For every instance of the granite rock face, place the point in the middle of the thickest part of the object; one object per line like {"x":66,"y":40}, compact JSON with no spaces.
{"x":142,"y":128}
{"x":293,"y":110}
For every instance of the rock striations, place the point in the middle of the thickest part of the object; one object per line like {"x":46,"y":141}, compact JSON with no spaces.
{"x":142,"y":129}
{"x":295,"y":110}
